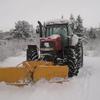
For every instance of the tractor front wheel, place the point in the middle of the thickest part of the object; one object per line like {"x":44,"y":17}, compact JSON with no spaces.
{"x":32,"y":53}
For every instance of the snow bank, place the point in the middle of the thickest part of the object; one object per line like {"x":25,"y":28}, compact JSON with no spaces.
{"x":11,"y":47}
{"x":92,"y":48}
{"x":13,"y":61}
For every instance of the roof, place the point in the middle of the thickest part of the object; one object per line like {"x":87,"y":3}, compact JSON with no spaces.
{"x":57,"y":22}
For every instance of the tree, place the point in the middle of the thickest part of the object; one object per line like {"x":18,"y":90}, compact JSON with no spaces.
{"x":23,"y":30}
{"x":92,"y":34}
{"x":79,"y":24}
{"x":72,"y":22}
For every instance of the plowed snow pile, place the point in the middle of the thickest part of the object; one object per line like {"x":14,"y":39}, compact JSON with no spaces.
{"x":83,"y":87}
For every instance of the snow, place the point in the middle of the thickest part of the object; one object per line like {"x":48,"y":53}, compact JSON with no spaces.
{"x":75,"y":39}
{"x":85,"y":86}
{"x":57,"y":21}
{"x":54,"y":36}
{"x":14,"y":61}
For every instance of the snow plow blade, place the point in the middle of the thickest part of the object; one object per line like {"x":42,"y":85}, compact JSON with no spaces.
{"x":32,"y":71}
{"x":12,"y":75}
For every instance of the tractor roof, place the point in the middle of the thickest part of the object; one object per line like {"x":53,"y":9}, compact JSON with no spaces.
{"x":56,"y":22}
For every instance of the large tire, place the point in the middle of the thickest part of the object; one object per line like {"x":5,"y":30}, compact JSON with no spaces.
{"x":79,"y":54}
{"x":32,"y":53}
{"x":72,"y":62}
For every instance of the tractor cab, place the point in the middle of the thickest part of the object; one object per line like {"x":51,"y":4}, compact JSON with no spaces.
{"x":60,"y":27}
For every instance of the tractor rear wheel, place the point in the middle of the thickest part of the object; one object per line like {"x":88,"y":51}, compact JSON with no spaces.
{"x":79,"y":54}
{"x":72,"y":62}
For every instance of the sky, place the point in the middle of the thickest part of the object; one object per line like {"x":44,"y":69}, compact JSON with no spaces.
{"x":33,"y":10}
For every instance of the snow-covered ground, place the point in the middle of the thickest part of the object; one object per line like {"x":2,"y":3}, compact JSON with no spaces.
{"x":85,"y":86}
{"x":13,"y":61}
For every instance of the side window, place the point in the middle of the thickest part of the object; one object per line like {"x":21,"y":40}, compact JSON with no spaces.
{"x":49,"y":31}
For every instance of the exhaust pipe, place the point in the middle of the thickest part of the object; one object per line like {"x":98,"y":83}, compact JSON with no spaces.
{"x":40,"y":26}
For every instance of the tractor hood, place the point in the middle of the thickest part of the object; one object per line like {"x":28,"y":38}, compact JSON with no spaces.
{"x":54,"y":39}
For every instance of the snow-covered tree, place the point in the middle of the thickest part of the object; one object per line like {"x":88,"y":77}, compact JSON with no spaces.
{"x":23,"y":30}
{"x":72,"y":22}
{"x":92,"y":33}
{"x":79,"y":24}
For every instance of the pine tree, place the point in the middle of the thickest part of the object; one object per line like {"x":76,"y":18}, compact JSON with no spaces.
{"x":72,"y":22}
{"x":79,"y":24}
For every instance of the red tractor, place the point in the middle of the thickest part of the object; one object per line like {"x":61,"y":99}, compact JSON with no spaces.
{"x":58,"y":44}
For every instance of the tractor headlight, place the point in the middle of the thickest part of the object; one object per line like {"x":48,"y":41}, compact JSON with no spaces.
{"x":47,"y":45}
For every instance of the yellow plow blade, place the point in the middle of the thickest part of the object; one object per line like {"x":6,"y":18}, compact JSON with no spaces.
{"x":11,"y":75}
{"x":50,"y":72}
{"x":32,"y":71}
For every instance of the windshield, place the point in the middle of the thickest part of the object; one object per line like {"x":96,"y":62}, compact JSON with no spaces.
{"x":60,"y":29}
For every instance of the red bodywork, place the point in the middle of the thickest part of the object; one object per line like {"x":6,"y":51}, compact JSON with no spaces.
{"x":55,"y":39}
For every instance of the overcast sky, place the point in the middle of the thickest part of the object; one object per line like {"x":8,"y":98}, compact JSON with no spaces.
{"x":32,"y":10}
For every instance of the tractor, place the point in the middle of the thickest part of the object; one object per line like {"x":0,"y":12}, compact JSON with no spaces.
{"x":59,"y":45}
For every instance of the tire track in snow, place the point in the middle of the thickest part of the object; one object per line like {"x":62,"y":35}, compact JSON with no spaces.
{"x":84,"y":81}
{"x":85,"y":75}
